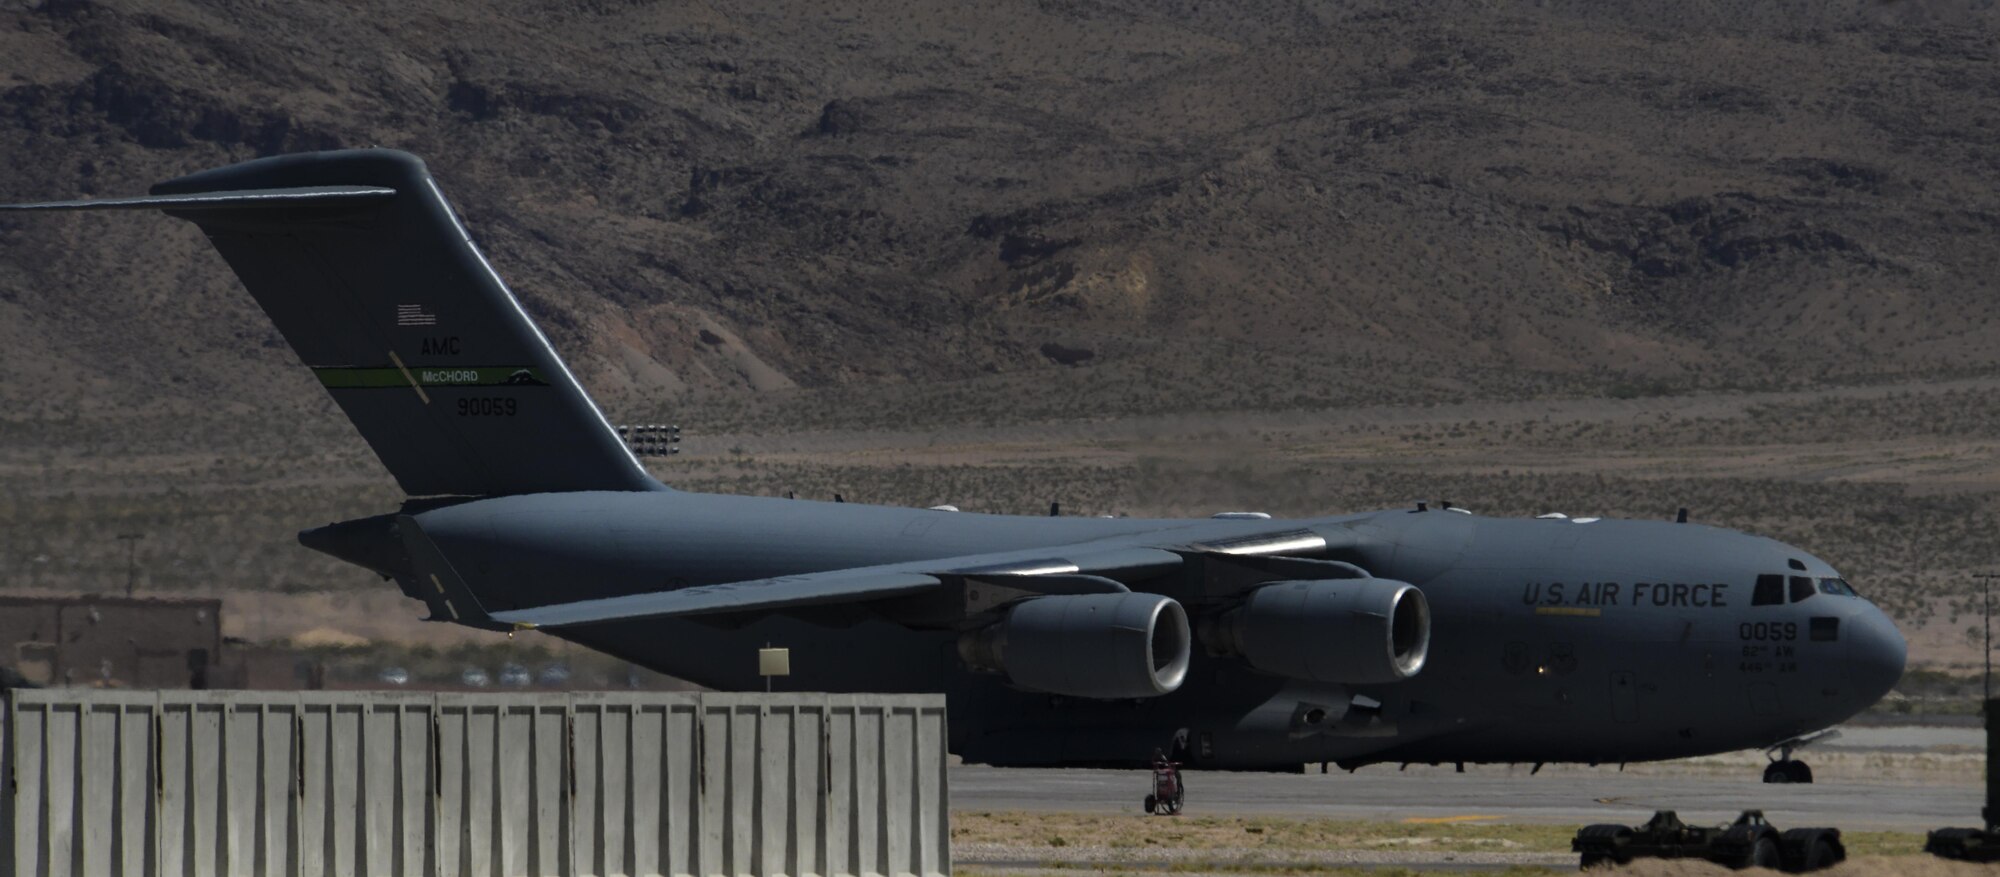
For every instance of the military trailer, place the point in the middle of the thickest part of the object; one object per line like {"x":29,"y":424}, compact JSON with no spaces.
{"x":1749,"y":842}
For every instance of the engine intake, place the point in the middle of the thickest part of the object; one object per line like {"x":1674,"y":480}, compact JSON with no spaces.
{"x":1107,"y":646}
{"x":1355,"y":631}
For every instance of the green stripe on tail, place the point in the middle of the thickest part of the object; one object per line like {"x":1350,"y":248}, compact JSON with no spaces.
{"x":374,"y":377}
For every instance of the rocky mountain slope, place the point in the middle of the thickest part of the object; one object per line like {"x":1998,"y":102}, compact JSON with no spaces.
{"x":1046,"y":208}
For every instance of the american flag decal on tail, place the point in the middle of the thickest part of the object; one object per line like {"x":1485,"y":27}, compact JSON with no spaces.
{"x":414,"y":315}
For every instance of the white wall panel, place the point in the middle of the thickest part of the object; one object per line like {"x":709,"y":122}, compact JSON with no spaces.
{"x":178,"y":783}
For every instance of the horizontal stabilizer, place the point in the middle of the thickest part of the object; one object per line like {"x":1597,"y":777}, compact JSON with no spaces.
{"x":439,"y":583}
{"x":234,"y":200}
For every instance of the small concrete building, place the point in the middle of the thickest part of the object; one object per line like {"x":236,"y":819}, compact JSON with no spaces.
{"x":112,"y":642}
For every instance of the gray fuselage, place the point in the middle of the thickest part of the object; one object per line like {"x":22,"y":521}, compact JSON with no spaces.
{"x":1553,"y":639}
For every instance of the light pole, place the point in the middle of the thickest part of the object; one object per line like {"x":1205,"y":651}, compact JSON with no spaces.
{"x":1986,"y":604}
{"x":131,"y":541}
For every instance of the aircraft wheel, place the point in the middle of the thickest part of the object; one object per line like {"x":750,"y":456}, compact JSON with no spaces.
{"x":1151,"y":802}
{"x":1788,"y":771}
{"x":1596,"y":862}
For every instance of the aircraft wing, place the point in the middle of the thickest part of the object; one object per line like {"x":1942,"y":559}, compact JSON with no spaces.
{"x":1078,"y":569}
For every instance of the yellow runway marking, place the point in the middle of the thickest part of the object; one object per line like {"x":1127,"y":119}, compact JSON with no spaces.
{"x":1446,"y":820}
{"x":1578,"y":611}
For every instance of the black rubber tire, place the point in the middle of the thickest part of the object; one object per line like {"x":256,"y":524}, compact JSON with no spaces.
{"x":1777,"y":772}
{"x":1811,"y":849}
{"x":1603,"y":840}
{"x":1801,"y":772}
{"x":1764,"y":853}
{"x":1952,"y":843}
{"x":1150,"y":804}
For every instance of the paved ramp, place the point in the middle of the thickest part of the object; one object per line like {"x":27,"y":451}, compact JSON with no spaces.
{"x":1382,"y":793}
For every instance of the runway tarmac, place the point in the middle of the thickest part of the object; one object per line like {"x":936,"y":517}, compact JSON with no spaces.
{"x":1381,"y":793}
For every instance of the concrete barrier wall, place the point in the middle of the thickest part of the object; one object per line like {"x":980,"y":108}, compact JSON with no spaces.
{"x":393,"y":783}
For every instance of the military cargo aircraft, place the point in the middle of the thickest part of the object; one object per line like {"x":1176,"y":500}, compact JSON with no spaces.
{"x":1416,"y":634}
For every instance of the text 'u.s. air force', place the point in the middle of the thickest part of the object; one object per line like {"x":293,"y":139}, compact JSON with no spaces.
{"x":1675,"y":594}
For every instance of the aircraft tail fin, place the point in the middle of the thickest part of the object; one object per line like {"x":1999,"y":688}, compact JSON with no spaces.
{"x":370,"y":275}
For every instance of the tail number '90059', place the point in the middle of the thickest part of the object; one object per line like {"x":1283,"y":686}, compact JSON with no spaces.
{"x":486,"y":406}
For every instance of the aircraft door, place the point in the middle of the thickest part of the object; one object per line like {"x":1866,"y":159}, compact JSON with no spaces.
{"x":1624,"y":698}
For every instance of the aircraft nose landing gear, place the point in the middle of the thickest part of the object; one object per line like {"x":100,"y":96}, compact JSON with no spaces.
{"x":1786,"y":769}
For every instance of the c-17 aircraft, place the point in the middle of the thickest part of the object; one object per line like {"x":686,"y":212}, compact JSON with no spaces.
{"x":1414,"y":635}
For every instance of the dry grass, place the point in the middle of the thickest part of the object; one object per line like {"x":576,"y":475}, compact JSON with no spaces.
{"x":1869,"y":866}
{"x":1056,"y":831}
{"x":1105,"y":843}
{"x":1059,"y":830}
{"x":1197,"y":868}
{"x":1858,"y":866}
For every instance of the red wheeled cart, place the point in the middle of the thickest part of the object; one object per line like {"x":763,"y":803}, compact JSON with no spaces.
{"x":1167,"y":789}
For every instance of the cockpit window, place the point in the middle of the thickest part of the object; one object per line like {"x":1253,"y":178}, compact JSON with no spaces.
{"x":1770,"y":591}
{"x":1837,"y":587}
{"x":1802,"y":588}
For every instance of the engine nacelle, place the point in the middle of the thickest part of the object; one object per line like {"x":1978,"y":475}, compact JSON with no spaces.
{"x":1107,"y":646}
{"x":1355,"y":631}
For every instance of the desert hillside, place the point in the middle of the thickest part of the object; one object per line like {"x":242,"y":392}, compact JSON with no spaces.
{"x":1152,"y":207}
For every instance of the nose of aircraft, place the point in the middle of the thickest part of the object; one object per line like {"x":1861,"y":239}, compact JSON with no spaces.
{"x":1875,"y":655}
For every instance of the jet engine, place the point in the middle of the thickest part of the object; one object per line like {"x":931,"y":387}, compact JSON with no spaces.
{"x":1106,"y":646}
{"x":1355,"y":631}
